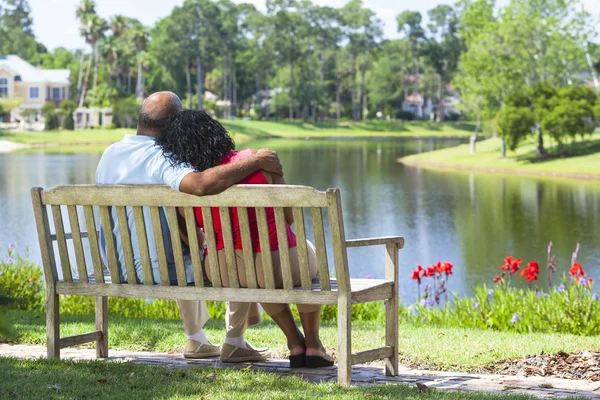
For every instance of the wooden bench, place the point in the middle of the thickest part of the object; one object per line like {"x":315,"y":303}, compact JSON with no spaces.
{"x":82,"y":202}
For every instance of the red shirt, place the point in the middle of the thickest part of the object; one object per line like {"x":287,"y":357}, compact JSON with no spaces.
{"x":257,"y":178}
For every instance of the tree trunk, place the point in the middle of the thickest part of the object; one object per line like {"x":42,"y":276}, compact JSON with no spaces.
{"x":96,"y":63}
{"x":80,"y":77}
{"x":502,"y":148}
{"x":473,"y":139}
{"x":140,"y":82}
{"x":188,"y":78}
{"x":226,"y":82}
{"x":440,"y":93}
{"x":200,"y":77}
{"x":313,"y":101}
{"x":258,"y":94}
{"x":233,"y":86}
{"x":540,"y":151}
{"x":362,"y":95}
{"x":353,"y":85}
{"x":338,"y":87}
{"x":278,"y":87}
{"x":85,"y":80}
{"x":322,"y":102}
{"x":291,"y":90}
{"x":267,"y":103}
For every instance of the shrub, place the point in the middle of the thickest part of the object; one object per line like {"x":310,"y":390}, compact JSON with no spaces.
{"x":68,"y":122}
{"x":22,"y":281}
{"x":405,"y":115}
{"x":125,"y":112}
{"x":5,"y":328}
{"x":110,"y":126}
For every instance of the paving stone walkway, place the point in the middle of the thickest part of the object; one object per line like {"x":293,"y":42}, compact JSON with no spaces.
{"x":542,"y":387}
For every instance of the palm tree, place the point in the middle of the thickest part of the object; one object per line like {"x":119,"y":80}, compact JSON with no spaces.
{"x":138,"y":35}
{"x":92,"y":29}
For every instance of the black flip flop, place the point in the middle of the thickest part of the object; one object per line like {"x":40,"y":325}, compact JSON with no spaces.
{"x":297,"y":361}
{"x":317,"y":362}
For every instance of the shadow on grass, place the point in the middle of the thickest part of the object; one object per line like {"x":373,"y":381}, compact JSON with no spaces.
{"x":575,"y":149}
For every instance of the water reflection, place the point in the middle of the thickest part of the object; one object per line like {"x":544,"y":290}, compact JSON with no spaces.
{"x":472,"y":220}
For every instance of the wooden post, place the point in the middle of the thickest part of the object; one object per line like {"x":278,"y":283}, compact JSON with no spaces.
{"x":102,"y":326}
{"x":50,"y":275}
{"x":344,"y":339}
{"x":391,"y":309}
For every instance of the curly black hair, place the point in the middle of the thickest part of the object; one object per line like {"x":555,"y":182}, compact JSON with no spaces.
{"x":194,"y":138}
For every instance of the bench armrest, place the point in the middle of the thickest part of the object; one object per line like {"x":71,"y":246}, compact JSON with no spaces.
{"x":376,"y":241}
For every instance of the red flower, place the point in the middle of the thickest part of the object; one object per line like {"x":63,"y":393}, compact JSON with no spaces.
{"x":576,"y":270}
{"x":534,"y":267}
{"x":446,"y":267}
{"x":531,"y":277}
{"x":516,"y":265}
{"x":497,"y":279}
{"x":590,"y":283}
{"x":430,"y":271}
{"x":418,"y":273}
{"x":531,"y":272}
{"x":512,"y":265}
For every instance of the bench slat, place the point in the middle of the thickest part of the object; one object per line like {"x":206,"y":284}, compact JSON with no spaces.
{"x":163,"y":267}
{"x":265,"y":248}
{"x":211,"y":242}
{"x":62,"y":244}
{"x":232,"y":272}
{"x":302,"y":247}
{"x":140,"y":228}
{"x":321,"y":249}
{"x":90,"y":224}
{"x":77,"y":243}
{"x":195,"y":247}
{"x":247,"y":245}
{"x":177,"y":248}
{"x":111,"y":253}
{"x":284,"y":249}
{"x":126,"y":241}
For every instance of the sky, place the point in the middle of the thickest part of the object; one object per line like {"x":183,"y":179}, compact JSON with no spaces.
{"x":55,"y":24}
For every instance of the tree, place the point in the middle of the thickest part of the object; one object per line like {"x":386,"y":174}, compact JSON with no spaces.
{"x":409,"y":23}
{"x":138,"y":34}
{"x":50,"y":116}
{"x":16,"y":31}
{"x":514,"y":124}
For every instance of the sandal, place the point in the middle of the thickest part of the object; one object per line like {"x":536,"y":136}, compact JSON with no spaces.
{"x":297,"y":361}
{"x":317,"y":362}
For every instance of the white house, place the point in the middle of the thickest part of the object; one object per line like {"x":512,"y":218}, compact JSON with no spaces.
{"x":33,"y":86}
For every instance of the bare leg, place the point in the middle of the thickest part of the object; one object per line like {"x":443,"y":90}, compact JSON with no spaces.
{"x":285,"y":320}
{"x":311,"y":322}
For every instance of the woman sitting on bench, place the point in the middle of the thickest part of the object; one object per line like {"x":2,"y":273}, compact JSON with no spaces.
{"x":196,"y":139}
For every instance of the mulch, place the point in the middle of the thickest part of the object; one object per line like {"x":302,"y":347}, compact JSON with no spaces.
{"x":578,"y":365}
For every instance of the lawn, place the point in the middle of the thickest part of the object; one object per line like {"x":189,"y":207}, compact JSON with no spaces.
{"x":584,"y":160}
{"x":41,"y":379}
{"x":428,"y":347}
{"x":245,"y":130}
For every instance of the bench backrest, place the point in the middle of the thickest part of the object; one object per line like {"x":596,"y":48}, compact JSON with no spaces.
{"x":88,"y":198}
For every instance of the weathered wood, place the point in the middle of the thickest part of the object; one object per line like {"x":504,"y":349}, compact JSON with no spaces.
{"x":90,"y":224}
{"x":111,"y":252}
{"x":69,"y":235}
{"x":265,"y":248}
{"x":338,"y":240}
{"x":211,"y":244}
{"x":102,"y":323}
{"x":391,"y":308}
{"x":163,"y":267}
{"x":190,"y":225}
{"x":177,"y":248}
{"x":140,"y":229}
{"x":195,"y":293}
{"x":344,"y":351}
{"x":127,"y":248}
{"x":232,"y":272}
{"x":63,"y":252}
{"x":372,"y":355}
{"x":247,"y":247}
{"x":76,"y":340}
{"x":77,"y":243}
{"x":302,"y":247}
{"x":373,"y":293}
{"x":321,"y":248}
{"x":284,"y":249}
{"x":399,"y":241}
{"x":151,"y":195}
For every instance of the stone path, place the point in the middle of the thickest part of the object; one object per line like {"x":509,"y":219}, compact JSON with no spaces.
{"x":542,"y":387}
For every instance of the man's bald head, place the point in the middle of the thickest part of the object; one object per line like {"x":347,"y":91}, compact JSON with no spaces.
{"x":156,"y":111}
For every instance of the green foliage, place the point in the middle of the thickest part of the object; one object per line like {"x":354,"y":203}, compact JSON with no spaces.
{"x":68,"y":122}
{"x":101,"y":96}
{"x":125,"y":112}
{"x":22,"y":281}
{"x":515,"y":124}
{"x":573,"y":309}
{"x":68,"y":106}
{"x":5,"y":327}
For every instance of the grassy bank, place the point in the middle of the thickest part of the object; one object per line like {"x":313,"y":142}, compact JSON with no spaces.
{"x":246,"y":130}
{"x":20,"y":379}
{"x":583,"y":162}
{"x":428,"y":347}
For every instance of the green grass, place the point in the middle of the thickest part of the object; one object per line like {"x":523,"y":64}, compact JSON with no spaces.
{"x":33,"y":379}
{"x":265,"y":129}
{"x":425,"y":346}
{"x":245,"y":130}
{"x":584,"y":160}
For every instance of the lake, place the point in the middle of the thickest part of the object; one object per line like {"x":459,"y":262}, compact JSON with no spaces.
{"x":472,"y":220}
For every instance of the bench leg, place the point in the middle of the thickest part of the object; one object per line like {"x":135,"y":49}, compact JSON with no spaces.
{"x":102,"y":326}
{"x":344,"y":340}
{"x":52,"y":325}
{"x":391,"y":310}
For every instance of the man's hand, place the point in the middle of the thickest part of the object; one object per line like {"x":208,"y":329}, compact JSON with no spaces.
{"x":269,"y":161}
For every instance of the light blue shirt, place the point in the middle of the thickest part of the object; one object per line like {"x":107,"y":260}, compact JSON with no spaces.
{"x":137,"y":160}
